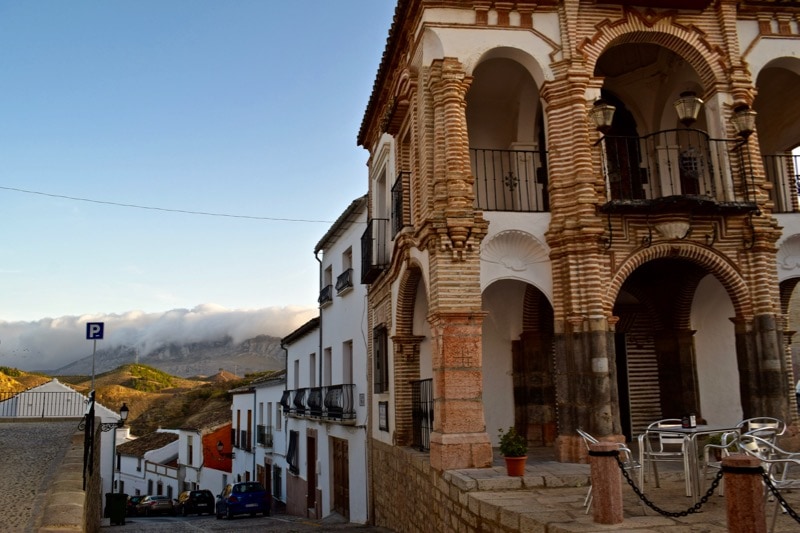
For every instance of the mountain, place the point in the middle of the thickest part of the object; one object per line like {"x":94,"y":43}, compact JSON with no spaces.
{"x":207,"y":358}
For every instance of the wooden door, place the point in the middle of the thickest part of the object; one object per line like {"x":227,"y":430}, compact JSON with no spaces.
{"x":341,"y":478}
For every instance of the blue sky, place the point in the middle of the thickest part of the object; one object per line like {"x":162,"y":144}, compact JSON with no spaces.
{"x":246,"y":108}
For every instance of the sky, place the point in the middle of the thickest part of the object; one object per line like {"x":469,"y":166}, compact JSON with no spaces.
{"x":245,"y":108}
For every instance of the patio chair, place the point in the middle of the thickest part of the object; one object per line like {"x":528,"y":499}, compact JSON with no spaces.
{"x":727,"y":444}
{"x":663,"y":447}
{"x":782,"y":467}
{"x":625,"y":455}
{"x":766,"y":427}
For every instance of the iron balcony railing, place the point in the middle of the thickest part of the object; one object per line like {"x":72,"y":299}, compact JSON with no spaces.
{"x":510,"y":180}
{"x":325,"y":295}
{"x":374,"y":249}
{"x":783,"y":171}
{"x":398,"y":202}
{"x":679,"y":162}
{"x":42,"y":404}
{"x":299,"y":402}
{"x":264,"y":435}
{"x":422,"y":413}
{"x":344,"y":281}
{"x":333,"y":402}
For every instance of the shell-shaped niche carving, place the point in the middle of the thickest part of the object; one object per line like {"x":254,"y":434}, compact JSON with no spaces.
{"x":515,"y":250}
{"x":673,"y":230}
{"x":789,"y":253}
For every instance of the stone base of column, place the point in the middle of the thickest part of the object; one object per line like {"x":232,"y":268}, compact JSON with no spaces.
{"x":460,"y":450}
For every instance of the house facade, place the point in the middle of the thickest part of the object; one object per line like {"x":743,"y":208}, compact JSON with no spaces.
{"x":149,"y":465}
{"x":581,"y":214}
{"x":258,"y":436}
{"x":325,"y":400}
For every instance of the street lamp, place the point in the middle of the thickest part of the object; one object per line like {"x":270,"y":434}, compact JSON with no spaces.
{"x":123,"y":416}
{"x":744,"y":120}
{"x":602,"y":114}
{"x":221,"y":447}
{"x":688,"y":107}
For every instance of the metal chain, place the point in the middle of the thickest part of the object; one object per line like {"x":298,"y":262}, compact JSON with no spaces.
{"x":776,"y":492}
{"x":695,"y":508}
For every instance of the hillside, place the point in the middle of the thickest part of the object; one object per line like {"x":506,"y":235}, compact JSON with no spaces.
{"x":261,"y":353}
{"x":13,"y":380}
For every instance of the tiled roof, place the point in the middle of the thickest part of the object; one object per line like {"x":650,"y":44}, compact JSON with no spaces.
{"x":152,"y":441}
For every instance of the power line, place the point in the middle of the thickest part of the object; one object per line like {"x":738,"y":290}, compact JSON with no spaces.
{"x":166,"y":209}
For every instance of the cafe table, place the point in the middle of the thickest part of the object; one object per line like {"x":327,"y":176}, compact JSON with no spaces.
{"x":690,"y":438}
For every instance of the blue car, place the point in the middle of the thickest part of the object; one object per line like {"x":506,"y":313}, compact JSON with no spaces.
{"x":246,"y":497}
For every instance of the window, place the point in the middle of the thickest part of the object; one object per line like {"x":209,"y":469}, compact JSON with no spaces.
{"x":345,"y":280}
{"x":347,"y":362}
{"x":121,"y":487}
{"x":169,"y":491}
{"x":189,"y":449}
{"x":139,"y":464}
{"x":278,"y":420}
{"x":119,"y":462}
{"x":291,"y":454}
{"x":380,"y":341}
{"x":326,"y":291}
{"x":312,"y":371}
{"x":326,"y":367}
{"x":297,"y":374}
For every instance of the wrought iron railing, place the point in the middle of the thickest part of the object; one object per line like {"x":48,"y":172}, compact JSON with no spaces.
{"x":783,"y":172}
{"x":398,"y":202}
{"x":42,"y":404}
{"x":344,"y":281}
{"x":299,"y":402}
{"x":510,"y":180}
{"x":264,"y":435}
{"x":678,"y":162}
{"x":325,"y":295}
{"x":333,"y":402}
{"x":422,"y":413}
{"x":374,"y":249}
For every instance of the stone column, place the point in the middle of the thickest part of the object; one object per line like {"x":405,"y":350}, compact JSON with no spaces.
{"x":459,"y":438}
{"x":744,"y":494}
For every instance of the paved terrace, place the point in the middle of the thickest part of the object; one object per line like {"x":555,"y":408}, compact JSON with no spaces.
{"x":37,"y":455}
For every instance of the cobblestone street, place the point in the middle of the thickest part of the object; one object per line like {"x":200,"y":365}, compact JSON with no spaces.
{"x":31,"y":453}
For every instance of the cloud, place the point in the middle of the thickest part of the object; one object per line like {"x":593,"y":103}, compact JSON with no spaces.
{"x":50,"y":343}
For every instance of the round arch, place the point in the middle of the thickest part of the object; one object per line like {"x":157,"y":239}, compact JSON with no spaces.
{"x":715,"y":264}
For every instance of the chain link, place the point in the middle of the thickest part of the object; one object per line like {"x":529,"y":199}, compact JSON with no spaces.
{"x":778,"y":496}
{"x":695,"y":508}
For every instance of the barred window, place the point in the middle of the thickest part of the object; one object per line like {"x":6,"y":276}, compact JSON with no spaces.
{"x":380,"y":340}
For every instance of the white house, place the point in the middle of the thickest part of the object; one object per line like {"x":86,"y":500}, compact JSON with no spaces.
{"x":149,"y":465}
{"x":325,"y":400}
{"x":259,"y":445}
{"x":57,"y":400}
{"x":201,"y":462}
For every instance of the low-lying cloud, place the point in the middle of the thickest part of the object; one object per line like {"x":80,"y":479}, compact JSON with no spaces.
{"x":51,"y":343}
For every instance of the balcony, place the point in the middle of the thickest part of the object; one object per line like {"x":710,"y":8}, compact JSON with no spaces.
{"x":325,"y":296}
{"x":398,"y":202}
{"x":264,"y":435}
{"x":680,"y":169}
{"x":334,"y":403}
{"x":510,"y":180}
{"x":783,"y":172}
{"x":344,"y":281}
{"x":374,"y":249}
{"x":298,"y":402}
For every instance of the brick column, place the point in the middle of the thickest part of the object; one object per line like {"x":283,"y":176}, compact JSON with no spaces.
{"x":459,"y":438}
{"x":744,"y":494}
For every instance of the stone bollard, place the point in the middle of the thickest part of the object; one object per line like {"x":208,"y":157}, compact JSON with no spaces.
{"x":744,"y":494}
{"x":606,"y":483}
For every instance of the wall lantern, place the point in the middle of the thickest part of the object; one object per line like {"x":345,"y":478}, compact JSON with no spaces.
{"x":688,"y":107}
{"x":221,"y":447}
{"x":744,"y":121}
{"x":123,"y":416}
{"x":602,"y":114}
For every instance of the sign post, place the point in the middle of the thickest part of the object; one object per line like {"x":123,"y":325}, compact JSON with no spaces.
{"x":94,"y":331}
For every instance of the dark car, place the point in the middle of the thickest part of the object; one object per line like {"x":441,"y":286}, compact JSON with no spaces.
{"x":152,"y":505}
{"x":195,"y":501}
{"x":133,"y":501}
{"x":247,"y":497}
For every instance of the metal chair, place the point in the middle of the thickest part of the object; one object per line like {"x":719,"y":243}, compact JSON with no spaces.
{"x":782,"y":467}
{"x":727,"y":444}
{"x":766,"y":427}
{"x":658,"y":446}
{"x":625,"y":455}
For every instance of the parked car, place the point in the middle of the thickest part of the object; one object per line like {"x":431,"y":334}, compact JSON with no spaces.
{"x":241,"y":498}
{"x":133,"y":501}
{"x":195,"y":501}
{"x":152,"y":505}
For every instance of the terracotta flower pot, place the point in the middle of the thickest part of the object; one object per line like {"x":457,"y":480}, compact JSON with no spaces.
{"x":515,"y":466}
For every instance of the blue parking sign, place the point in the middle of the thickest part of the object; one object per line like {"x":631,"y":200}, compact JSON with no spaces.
{"x":94,"y":330}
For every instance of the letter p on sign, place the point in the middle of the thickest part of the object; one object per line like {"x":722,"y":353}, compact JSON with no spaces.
{"x":94,"y":330}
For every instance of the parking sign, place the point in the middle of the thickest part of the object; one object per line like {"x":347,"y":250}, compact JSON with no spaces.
{"x":94,"y":330}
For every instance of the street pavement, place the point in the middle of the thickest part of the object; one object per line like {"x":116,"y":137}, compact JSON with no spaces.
{"x":277,"y":523}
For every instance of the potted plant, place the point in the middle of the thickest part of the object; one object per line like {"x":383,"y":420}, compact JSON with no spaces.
{"x":514,"y":448}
